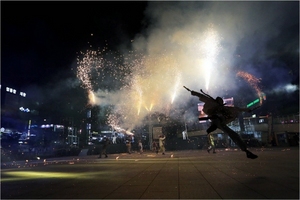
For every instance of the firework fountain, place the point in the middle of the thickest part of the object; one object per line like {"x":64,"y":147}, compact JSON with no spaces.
{"x":136,"y":84}
{"x":211,"y":47}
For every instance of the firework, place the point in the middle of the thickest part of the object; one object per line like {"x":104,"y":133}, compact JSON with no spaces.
{"x":254,"y":83}
{"x":137,"y":83}
{"x":176,"y":86}
{"x":90,"y":63}
{"x":91,"y":97}
{"x":211,"y":46}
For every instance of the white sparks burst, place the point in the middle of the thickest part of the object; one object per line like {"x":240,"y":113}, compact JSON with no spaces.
{"x":176,"y":86}
{"x":211,"y":46}
{"x":88,"y":65}
{"x":92,"y":97}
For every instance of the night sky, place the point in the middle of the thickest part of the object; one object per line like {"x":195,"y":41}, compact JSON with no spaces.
{"x":40,"y":39}
{"x":40,"y":42}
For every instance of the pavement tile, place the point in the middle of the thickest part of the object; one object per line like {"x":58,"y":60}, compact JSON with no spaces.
{"x":273,"y":190}
{"x":193,"y":182}
{"x":198,"y":192}
{"x":122,"y":195}
{"x":163,"y":188}
{"x":160,"y":195}
{"x":138,"y":182}
{"x":165,"y":182}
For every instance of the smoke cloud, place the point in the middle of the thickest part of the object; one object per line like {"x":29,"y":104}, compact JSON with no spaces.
{"x":202,"y":45}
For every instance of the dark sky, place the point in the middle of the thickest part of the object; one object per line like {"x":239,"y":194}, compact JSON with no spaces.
{"x":40,"y":39}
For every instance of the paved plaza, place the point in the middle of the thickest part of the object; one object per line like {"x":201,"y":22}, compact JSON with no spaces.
{"x":190,"y":174}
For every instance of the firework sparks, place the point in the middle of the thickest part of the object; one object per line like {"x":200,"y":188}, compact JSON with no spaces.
{"x":150,"y":107}
{"x":114,"y":121}
{"x":88,"y":65}
{"x":91,"y":97}
{"x":140,"y":99}
{"x":211,"y":47}
{"x":254,"y":83}
{"x":176,"y":86}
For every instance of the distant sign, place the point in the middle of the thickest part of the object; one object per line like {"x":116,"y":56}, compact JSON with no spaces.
{"x":253,"y":102}
{"x":228,"y":102}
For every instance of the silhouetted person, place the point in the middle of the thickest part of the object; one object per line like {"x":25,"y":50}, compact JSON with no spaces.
{"x":220,"y":116}
{"x":105,"y":142}
{"x":115,"y":139}
{"x":140,"y":145}
{"x":128,"y":145}
{"x":155,"y":147}
{"x":162,"y":144}
{"x":211,"y":143}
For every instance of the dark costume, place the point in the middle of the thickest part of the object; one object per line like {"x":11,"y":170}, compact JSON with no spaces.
{"x":155,"y":147}
{"x":105,"y":142}
{"x":128,"y":145}
{"x":220,"y":116}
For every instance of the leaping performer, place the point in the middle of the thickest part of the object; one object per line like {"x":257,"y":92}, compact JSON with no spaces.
{"x":220,"y":115}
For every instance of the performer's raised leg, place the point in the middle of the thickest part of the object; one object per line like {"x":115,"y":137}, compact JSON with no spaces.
{"x":237,"y":140}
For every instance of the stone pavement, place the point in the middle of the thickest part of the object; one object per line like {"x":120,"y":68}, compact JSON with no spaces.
{"x":190,"y":174}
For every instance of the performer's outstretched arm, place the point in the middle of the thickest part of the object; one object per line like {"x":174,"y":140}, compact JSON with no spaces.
{"x":202,"y":97}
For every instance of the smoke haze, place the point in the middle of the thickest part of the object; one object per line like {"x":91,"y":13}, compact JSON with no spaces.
{"x":201,"y":45}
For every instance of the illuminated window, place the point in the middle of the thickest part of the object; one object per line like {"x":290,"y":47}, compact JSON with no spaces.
{"x":23,"y":94}
{"x":24,"y":109}
{"x":8,"y":89}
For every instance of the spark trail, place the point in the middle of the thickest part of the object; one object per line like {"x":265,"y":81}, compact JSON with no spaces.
{"x":254,"y":83}
{"x":211,"y":46}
